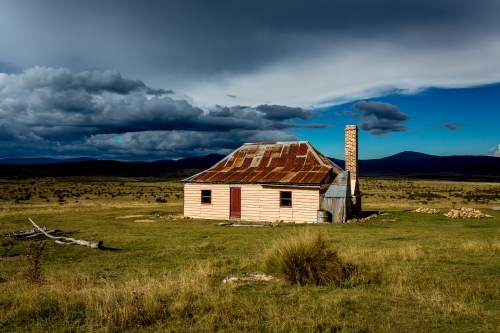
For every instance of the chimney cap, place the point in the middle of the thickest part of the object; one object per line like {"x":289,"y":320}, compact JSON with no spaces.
{"x":351,"y":126}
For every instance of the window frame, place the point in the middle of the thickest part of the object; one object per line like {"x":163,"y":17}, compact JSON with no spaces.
{"x":209,"y":197}
{"x":287,"y":199}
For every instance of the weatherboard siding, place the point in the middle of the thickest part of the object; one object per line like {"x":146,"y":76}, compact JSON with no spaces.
{"x":218,"y":209}
{"x":262,"y":203}
{"x":258,"y":203}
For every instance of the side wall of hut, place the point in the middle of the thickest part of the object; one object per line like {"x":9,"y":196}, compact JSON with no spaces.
{"x":340,"y":208}
{"x":218,"y":209}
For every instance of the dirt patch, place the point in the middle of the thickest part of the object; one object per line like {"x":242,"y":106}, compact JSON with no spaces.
{"x":144,"y":221}
{"x":128,"y":216}
{"x":2,"y":259}
{"x":249,"y":277}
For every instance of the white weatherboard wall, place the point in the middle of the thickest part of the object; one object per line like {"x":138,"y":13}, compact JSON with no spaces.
{"x":262,"y":203}
{"x":217,"y":210}
{"x":258,"y":203}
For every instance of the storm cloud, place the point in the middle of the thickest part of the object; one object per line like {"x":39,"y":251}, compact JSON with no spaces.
{"x":379,"y":118}
{"x":281,"y":112}
{"x":286,"y":52}
{"x":54,"y":111}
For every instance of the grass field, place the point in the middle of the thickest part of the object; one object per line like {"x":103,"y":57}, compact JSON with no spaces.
{"x":416,"y":272}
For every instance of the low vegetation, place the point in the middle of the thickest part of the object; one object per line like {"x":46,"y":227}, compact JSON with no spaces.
{"x":385,"y":193}
{"x":401,"y":271}
{"x":306,"y":259}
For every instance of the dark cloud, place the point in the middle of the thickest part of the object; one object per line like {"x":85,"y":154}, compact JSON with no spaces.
{"x":232,"y":96}
{"x":281,"y":112}
{"x":147,"y":145}
{"x":202,"y":37}
{"x":64,"y":81}
{"x":379,"y":118}
{"x":451,"y":126}
{"x":53,"y":111}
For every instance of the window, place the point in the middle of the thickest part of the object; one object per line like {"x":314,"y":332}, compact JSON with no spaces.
{"x":286,"y":199}
{"x":206,"y":196}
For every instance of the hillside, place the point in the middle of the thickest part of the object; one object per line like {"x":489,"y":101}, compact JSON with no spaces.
{"x":405,"y":164}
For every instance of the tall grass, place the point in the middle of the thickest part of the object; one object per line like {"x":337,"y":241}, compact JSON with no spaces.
{"x":35,"y":257}
{"x":185,"y":302}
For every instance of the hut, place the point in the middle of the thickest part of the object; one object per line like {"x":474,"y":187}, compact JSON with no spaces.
{"x":276,"y":181}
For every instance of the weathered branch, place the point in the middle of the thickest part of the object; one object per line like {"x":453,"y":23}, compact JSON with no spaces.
{"x":69,"y":241}
{"x":23,"y":233}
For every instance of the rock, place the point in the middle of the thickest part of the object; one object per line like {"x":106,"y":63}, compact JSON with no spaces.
{"x":426,"y":210}
{"x":354,"y":220}
{"x":464,"y":213}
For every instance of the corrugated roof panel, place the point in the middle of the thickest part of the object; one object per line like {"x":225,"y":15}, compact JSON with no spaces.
{"x":298,"y":177}
{"x":298,"y":162}
{"x":270,"y":162}
{"x":288,"y":177}
{"x":313,"y":177}
{"x":340,"y":187}
{"x":247,"y":163}
{"x":273,"y":162}
{"x":303,"y":149}
{"x":276,"y":150}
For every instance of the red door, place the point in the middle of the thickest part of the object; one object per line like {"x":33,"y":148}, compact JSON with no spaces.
{"x":235,"y":206}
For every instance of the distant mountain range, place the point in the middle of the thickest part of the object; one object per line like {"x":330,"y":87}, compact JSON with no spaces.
{"x":406,"y":163}
{"x":83,"y":166}
{"x":413,"y":163}
{"x":41,"y":160}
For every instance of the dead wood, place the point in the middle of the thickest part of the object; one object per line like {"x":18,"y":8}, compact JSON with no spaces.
{"x":70,"y":241}
{"x":24,"y":233}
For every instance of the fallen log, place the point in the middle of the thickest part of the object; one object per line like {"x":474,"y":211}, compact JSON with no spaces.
{"x":50,"y":232}
{"x":70,"y":241}
{"x":23,"y":233}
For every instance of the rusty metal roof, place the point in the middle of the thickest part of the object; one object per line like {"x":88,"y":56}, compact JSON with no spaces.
{"x":296,"y":163}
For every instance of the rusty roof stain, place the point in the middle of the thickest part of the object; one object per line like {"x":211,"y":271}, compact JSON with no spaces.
{"x":296,"y":163}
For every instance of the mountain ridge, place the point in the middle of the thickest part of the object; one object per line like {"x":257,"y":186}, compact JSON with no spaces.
{"x":404,"y":163}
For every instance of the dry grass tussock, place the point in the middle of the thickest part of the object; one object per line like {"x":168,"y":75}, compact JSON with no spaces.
{"x":481,"y":246}
{"x":376,"y":257}
{"x":307,"y":259}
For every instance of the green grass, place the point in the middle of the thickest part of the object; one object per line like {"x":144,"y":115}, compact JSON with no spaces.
{"x":417,"y":273}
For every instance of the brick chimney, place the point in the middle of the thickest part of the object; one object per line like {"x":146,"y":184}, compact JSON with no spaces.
{"x":351,"y":164}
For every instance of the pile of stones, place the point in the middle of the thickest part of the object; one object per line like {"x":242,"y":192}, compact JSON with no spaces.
{"x":464,"y":213}
{"x":427,"y":210}
{"x":172,"y":217}
{"x":364,"y":219}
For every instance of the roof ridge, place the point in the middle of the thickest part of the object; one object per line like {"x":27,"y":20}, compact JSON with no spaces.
{"x":273,"y":142}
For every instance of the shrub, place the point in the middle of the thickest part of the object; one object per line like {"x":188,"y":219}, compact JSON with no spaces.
{"x":305,"y":259}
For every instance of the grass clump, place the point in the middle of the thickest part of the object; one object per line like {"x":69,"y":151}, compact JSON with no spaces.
{"x":306,"y":259}
{"x":34,"y":269}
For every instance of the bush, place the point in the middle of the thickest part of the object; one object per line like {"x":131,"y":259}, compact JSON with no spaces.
{"x":305,"y":259}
